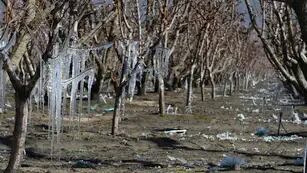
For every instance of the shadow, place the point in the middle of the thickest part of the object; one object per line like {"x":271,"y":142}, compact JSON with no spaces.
{"x":93,"y":163}
{"x":300,"y":134}
{"x":6,"y":140}
{"x":43,"y":127}
{"x":251,"y":154}
{"x":144,"y":163}
{"x":168,"y":143}
{"x":164,"y":142}
{"x":31,"y":153}
{"x":266,"y":168}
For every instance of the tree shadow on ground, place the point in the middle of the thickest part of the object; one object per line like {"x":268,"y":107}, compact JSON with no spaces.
{"x":300,"y":134}
{"x":168,"y":143}
{"x":6,"y":140}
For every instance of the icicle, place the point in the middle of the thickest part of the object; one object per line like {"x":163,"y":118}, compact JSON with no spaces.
{"x":132,"y":62}
{"x":89,"y":90}
{"x":161,"y":62}
{"x":2,"y":88}
{"x":130,"y":51}
{"x":74,"y":88}
{"x":55,"y":98}
{"x":66,"y":72}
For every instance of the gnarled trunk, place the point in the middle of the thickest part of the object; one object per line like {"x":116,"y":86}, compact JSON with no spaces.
{"x":19,"y":134}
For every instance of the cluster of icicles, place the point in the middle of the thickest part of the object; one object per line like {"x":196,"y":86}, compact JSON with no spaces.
{"x":67,"y":79}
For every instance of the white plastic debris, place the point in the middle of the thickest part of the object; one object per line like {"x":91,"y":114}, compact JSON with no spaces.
{"x":103,"y":98}
{"x":281,"y":138}
{"x":296,"y":119}
{"x":275,"y":117}
{"x":171,"y":110}
{"x":256,"y":111}
{"x":181,"y":160}
{"x":179,"y":131}
{"x":241,"y":117}
{"x":210,"y":137}
{"x":226,"y":136}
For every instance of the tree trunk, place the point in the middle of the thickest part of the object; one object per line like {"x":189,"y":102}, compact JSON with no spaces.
{"x":235,"y":84}
{"x":300,"y":8}
{"x":231,"y":87}
{"x":142,"y":85}
{"x":19,"y":134}
{"x":175,"y":83}
{"x":116,"y":114}
{"x":225,"y":88}
{"x":212,"y":82}
{"x":156,"y":84}
{"x":190,"y":88}
{"x":238,"y":83}
{"x":119,"y":104}
{"x":202,"y":83}
{"x":96,"y":87}
{"x":161,"y":96}
{"x":202,"y":91}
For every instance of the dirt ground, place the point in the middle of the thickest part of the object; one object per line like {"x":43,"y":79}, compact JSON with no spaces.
{"x":145,"y":146}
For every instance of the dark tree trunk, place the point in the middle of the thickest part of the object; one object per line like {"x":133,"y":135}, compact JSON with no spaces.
{"x":96,"y":87}
{"x":202,"y":91}
{"x":19,"y":134}
{"x":300,"y":8}
{"x":231,"y":87}
{"x":156,"y":85}
{"x":225,"y":89}
{"x":212,"y":82}
{"x":141,"y":86}
{"x":99,"y":77}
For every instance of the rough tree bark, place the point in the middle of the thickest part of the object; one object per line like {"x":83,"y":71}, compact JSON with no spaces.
{"x":19,"y":134}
